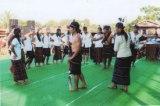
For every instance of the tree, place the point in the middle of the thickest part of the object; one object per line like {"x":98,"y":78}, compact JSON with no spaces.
{"x":4,"y":20}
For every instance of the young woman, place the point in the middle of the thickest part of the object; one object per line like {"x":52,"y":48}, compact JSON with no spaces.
{"x":65,"y":40}
{"x":38,"y":49}
{"x":98,"y":45}
{"x":17,"y":67}
{"x":46,"y":46}
{"x":86,"y":44}
{"x":121,"y":74}
{"x":107,"y":46}
{"x":57,"y":46}
{"x":75,"y":57}
{"x":28,"y":48}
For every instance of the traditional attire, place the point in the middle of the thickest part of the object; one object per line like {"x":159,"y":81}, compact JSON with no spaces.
{"x":28,"y":48}
{"x":121,"y":74}
{"x":17,"y":67}
{"x":57,"y":47}
{"x":86,"y":43}
{"x":134,"y":45}
{"x":38,"y":49}
{"x":46,"y":45}
{"x":98,"y":48}
{"x":75,"y":63}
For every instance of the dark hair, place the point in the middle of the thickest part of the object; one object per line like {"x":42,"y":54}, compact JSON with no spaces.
{"x":99,"y":28}
{"x":76,"y":26}
{"x":38,"y":36}
{"x":121,"y":26}
{"x":17,"y":34}
{"x":58,"y":31}
{"x":107,"y":27}
{"x":84,"y":28}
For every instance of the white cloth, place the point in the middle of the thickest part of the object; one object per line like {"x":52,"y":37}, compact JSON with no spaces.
{"x":99,"y":42}
{"x":135,"y":39}
{"x":86,"y":40}
{"x":17,"y":48}
{"x":46,"y":41}
{"x":37,"y":42}
{"x":66,"y":38}
{"x":57,"y":40}
{"x":28,"y":44}
{"x":122,"y":47}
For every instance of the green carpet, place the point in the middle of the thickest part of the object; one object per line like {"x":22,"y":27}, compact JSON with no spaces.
{"x":48,"y":86}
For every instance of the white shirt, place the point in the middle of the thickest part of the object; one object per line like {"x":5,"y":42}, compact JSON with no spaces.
{"x":17,"y":48}
{"x":46,"y":41}
{"x":99,"y":42}
{"x":57,"y":40}
{"x":86,"y":40}
{"x":122,"y":47}
{"x":28,"y":44}
{"x":37,"y":42}
{"x":135,"y":39}
{"x":66,"y":38}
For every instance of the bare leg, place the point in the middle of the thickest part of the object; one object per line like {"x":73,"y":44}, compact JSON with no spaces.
{"x":81,"y":77}
{"x":76,"y":80}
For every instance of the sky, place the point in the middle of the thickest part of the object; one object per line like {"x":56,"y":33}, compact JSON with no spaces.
{"x":98,"y":11}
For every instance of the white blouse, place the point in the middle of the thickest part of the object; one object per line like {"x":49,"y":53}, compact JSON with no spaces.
{"x":46,"y":41}
{"x":57,"y":40}
{"x":17,"y":48}
{"x":28,"y":44}
{"x":86,"y":40}
{"x":37,"y":42}
{"x":122,"y":47}
{"x":99,"y":42}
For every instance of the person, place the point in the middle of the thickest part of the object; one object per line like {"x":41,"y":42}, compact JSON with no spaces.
{"x":75,"y":57}
{"x":98,"y":45}
{"x":38,"y":49}
{"x":135,"y":36}
{"x":107,"y":46}
{"x":17,"y":67}
{"x":57,"y":46}
{"x":121,"y":74}
{"x":86,"y":44}
{"x":28,"y":48}
{"x":46,"y":39}
{"x":65,"y":40}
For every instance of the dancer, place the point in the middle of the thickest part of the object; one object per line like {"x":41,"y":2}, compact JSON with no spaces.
{"x":98,"y":45}
{"x":46,"y":39}
{"x":107,"y":46}
{"x":76,"y":57}
{"x":28,"y":48}
{"x":121,"y":74}
{"x":17,"y":67}
{"x":86,"y":44}
{"x":38,"y":49}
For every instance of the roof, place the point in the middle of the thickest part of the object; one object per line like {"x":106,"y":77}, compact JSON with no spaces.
{"x":148,"y":24}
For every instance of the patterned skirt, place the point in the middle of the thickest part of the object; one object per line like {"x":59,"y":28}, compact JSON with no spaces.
{"x":58,"y":53}
{"x":75,"y":64}
{"x":121,"y":74}
{"x":18,"y":70}
{"x":98,"y":55}
{"x":39,"y":55}
{"x":107,"y":51}
{"x":46,"y":52}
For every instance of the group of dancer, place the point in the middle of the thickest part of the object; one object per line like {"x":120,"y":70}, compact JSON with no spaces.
{"x":80,"y":46}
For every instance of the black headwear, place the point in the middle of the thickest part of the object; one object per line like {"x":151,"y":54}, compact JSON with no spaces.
{"x":120,"y":25}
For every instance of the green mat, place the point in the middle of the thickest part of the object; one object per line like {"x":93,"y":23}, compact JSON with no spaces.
{"x":48,"y":86}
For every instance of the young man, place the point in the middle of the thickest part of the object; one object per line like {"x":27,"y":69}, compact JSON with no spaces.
{"x":76,"y":57}
{"x":86,"y":44}
{"x":134,"y":44}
